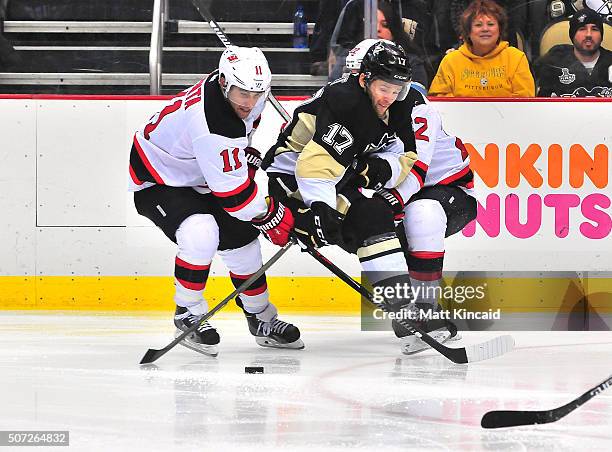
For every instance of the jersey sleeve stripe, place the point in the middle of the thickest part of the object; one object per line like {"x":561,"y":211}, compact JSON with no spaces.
{"x":464,"y":177}
{"x":134,"y":177}
{"x":419,"y":169}
{"x":235,"y":191}
{"x":142,"y":165}
{"x":240,"y":199}
{"x":421,"y":165}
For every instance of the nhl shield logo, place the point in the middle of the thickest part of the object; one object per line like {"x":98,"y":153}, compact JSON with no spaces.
{"x":566,"y":78}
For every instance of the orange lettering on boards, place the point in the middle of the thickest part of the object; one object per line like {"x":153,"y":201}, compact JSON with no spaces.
{"x":487,"y":168}
{"x":595,"y":168}
{"x":518,"y":165}
{"x":575,"y":163}
{"x":555,"y":165}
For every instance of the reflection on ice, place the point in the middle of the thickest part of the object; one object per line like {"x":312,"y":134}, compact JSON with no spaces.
{"x":345,"y":390}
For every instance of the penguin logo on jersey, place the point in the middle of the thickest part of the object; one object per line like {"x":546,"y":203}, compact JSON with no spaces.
{"x":566,"y":78}
{"x":384,"y":141}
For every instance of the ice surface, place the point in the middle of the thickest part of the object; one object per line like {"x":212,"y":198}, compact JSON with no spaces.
{"x":346,"y":390}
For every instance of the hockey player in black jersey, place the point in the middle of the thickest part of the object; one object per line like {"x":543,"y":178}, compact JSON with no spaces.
{"x":363,"y":122}
{"x":436,"y":193}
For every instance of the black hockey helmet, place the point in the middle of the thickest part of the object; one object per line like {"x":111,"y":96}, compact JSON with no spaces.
{"x":387,"y":61}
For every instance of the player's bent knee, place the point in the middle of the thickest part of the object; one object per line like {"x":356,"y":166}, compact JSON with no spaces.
{"x":244,"y":260}
{"x":425,"y":225}
{"x":368,"y":217}
{"x":198,"y":237}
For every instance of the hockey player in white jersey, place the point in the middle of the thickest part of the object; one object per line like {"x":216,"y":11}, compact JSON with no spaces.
{"x":192,"y":174}
{"x":436,"y":194}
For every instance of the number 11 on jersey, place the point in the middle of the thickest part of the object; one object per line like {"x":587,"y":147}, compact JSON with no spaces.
{"x":227,"y":165}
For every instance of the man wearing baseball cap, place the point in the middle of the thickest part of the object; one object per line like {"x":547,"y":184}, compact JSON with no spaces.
{"x":583,"y":69}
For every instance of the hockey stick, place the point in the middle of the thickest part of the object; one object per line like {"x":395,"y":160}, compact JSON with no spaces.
{"x":153,"y":354}
{"x":477,"y":352}
{"x":498,"y":419}
{"x":212,"y":23}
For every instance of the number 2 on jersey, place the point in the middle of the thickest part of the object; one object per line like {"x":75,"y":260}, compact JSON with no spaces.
{"x":227,"y":165}
{"x":418,"y":134}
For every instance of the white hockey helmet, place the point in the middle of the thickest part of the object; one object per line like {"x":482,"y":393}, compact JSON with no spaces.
{"x":356,"y":54}
{"x":246,"y":68}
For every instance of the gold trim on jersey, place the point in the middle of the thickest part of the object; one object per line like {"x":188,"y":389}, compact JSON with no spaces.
{"x":315,"y":162}
{"x":301,"y":134}
{"x":407,"y":161}
{"x":380,"y":247}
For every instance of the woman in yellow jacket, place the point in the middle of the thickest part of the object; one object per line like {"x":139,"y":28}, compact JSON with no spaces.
{"x":484,"y":66}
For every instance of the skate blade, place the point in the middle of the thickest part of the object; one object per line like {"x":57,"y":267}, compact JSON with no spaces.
{"x":208,"y":350}
{"x":412,"y":344}
{"x":456,"y":337}
{"x":269,"y":342}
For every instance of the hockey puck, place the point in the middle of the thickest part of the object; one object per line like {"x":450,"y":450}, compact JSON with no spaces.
{"x":253,"y":370}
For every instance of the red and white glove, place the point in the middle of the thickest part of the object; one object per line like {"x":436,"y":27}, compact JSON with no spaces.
{"x":392,"y":197}
{"x":277,"y":223}
{"x":253,"y":158}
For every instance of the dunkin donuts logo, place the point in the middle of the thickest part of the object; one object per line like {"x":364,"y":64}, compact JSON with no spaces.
{"x":539,"y":181}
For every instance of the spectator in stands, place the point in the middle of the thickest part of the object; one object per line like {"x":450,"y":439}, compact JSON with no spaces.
{"x":349,"y":32}
{"x":485,"y":65}
{"x":583,"y":69}
{"x":559,"y":10}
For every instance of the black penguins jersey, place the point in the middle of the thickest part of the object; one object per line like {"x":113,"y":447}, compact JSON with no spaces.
{"x":347,"y":128}
{"x":442,"y":158}
{"x":282,"y":156}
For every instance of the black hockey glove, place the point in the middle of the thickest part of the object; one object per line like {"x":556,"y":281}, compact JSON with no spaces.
{"x":394,"y":199}
{"x":371,"y":173}
{"x":319,"y":226}
{"x":253,"y":158}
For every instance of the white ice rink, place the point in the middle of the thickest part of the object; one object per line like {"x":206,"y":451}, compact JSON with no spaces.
{"x":346,"y":390}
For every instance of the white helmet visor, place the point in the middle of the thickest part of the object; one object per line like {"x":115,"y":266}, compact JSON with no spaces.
{"x":246,"y":99}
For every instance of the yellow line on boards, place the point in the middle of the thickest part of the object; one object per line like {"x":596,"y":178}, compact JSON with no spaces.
{"x":290,"y":294}
{"x":154,"y":293}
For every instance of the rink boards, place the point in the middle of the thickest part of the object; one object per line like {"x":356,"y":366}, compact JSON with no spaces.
{"x":71,"y":239}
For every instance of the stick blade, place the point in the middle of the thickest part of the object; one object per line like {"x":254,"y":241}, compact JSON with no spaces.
{"x":500,"y":419}
{"x":151,"y":355}
{"x":489,"y":349}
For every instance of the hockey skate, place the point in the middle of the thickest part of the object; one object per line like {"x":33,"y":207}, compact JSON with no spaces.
{"x":440,"y":330}
{"x":203,"y":340}
{"x":269,"y":331}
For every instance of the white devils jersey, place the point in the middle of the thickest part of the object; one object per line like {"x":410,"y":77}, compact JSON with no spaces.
{"x":198,"y":141}
{"x":443,"y":159}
